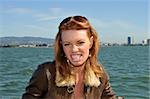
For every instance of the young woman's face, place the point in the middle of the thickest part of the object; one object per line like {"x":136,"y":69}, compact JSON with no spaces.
{"x":76,"y":45}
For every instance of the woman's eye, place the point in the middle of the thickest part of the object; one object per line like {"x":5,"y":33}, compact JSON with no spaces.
{"x":81,"y":42}
{"x":66,"y":44}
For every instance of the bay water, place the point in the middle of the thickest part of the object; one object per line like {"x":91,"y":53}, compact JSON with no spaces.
{"x":128,"y":68}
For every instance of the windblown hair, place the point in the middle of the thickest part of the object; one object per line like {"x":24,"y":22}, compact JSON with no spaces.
{"x":61,"y":60}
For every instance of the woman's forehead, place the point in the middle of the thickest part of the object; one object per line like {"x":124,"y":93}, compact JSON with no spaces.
{"x":74,"y":34}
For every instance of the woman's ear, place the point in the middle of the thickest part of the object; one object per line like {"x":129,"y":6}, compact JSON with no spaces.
{"x":91,"y":42}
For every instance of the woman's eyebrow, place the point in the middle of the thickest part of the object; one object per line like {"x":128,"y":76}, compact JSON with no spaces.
{"x":65,"y":42}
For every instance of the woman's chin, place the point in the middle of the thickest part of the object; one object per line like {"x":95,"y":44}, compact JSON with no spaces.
{"x":77,"y":64}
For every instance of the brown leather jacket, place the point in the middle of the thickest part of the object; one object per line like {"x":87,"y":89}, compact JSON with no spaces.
{"x":43,"y":85}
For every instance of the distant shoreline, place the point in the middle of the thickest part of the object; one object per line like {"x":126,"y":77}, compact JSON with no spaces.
{"x":51,"y":46}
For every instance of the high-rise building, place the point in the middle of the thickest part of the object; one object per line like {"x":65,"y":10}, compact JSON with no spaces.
{"x":129,"y":40}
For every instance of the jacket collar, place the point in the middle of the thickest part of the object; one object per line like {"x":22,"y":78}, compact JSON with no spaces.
{"x":90,"y":79}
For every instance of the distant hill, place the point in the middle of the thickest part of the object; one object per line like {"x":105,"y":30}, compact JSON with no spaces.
{"x":25,"y":40}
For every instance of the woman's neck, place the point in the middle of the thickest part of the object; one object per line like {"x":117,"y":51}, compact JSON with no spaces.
{"x":79,"y":82}
{"x":78,"y":69}
{"x":79,"y":73}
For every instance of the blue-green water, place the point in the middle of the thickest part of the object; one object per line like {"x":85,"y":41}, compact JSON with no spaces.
{"x":127,"y":66}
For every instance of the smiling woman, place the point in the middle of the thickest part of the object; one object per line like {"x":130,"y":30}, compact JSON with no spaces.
{"x":75,"y":72}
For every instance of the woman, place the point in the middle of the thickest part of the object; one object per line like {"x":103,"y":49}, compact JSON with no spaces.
{"x":75,"y":73}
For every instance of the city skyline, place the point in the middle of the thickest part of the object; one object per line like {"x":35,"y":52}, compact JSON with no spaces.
{"x":114,"y":20}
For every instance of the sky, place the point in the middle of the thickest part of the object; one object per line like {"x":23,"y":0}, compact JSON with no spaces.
{"x":114,"y":20}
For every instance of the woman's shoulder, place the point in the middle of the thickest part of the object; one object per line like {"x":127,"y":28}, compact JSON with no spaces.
{"x":48,"y":64}
{"x":45,"y":66}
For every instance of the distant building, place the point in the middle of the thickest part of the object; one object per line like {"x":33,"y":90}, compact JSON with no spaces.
{"x":129,"y":40}
{"x":148,"y":41}
{"x":27,"y":45}
{"x":144,"y":42}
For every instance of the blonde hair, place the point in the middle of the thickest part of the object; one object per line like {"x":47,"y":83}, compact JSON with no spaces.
{"x":61,"y":60}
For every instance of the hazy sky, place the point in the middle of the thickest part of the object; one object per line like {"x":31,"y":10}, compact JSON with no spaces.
{"x":114,"y":20}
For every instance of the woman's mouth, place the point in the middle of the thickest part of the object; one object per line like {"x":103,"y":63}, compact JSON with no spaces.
{"x":76,"y":57}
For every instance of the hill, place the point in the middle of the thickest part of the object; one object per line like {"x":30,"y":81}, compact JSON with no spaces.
{"x":25,"y":40}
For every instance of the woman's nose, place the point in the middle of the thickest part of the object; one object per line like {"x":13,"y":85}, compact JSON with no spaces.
{"x":74,"y":48}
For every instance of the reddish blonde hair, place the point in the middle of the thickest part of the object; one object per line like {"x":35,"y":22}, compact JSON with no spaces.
{"x":77,"y":24}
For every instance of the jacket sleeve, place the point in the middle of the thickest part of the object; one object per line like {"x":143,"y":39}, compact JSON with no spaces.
{"x":37,"y":84}
{"x":107,"y":92}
